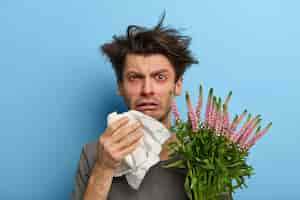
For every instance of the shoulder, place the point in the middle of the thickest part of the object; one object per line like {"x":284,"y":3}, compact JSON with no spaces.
{"x":86,"y":163}
{"x":90,"y":149}
{"x":89,"y":154}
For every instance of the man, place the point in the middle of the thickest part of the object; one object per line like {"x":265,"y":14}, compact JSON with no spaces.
{"x":149,"y":65}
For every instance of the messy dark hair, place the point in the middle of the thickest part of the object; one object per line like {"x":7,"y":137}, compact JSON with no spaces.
{"x":157,"y":40}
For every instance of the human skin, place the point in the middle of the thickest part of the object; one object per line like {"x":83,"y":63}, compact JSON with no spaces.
{"x":149,"y":79}
{"x":147,"y":86}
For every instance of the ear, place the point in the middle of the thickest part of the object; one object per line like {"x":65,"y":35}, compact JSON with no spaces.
{"x":178,"y":86}
{"x":120,"y":88}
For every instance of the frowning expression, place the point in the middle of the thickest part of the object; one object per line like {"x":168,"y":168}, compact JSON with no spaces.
{"x":148,"y":84}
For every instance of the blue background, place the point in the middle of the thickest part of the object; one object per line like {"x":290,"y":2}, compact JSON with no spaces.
{"x":56,"y":88}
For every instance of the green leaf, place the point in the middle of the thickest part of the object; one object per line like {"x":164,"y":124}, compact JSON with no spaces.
{"x":187,"y":187}
{"x":178,"y":163}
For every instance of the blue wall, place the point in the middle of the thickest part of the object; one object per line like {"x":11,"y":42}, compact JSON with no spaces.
{"x":56,"y":88}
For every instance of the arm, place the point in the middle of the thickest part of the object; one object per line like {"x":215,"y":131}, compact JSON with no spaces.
{"x":91,"y":182}
{"x":82,"y":176}
{"x":113,"y":145}
{"x":99,"y":183}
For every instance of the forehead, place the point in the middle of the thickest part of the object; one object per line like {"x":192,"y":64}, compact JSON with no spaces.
{"x":147,"y":63}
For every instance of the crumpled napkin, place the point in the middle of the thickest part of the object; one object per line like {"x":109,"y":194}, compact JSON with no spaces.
{"x":135,"y":165}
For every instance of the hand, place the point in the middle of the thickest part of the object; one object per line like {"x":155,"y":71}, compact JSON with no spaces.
{"x":118,"y":140}
{"x":165,"y":151}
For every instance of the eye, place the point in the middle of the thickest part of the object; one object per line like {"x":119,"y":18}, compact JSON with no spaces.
{"x":132,"y":77}
{"x":161,"y":77}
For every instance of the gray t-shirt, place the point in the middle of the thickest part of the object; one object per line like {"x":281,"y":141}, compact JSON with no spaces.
{"x":158,"y":184}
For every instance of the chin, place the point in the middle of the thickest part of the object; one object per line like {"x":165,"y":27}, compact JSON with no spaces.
{"x":148,"y":112}
{"x":151,"y":113}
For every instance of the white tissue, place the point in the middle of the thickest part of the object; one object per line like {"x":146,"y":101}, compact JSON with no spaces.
{"x":135,"y":165}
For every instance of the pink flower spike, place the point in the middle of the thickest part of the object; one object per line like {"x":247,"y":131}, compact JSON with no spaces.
{"x":258,"y":136}
{"x":199,"y":105}
{"x":225,"y":120}
{"x":213,"y":114}
{"x":244,"y":127}
{"x":246,"y":144}
{"x":230,"y":131}
{"x":235,"y":124}
{"x":235,"y":137}
{"x":250,"y":131}
{"x":175,"y":111}
{"x":230,"y":135}
{"x":193,"y":121}
{"x":191,"y":113}
{"x":257,"y":130}
{"x":208,"y":106}
{"x":228,"y":99}
{"x":250,"y":127}
{"x":218,"y":125}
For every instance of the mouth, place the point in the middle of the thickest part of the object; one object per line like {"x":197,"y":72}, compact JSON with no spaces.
{"x":147,"y":106}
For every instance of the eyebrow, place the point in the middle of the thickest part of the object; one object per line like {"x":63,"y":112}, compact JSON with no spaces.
{"x":151,"y":74}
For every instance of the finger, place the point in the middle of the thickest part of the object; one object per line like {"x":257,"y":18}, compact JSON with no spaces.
{"x":123,"y":132}
{"x":112,"y":141}
{"x":127,"y":141}
{"x":172,"y":138}
{"x":116,"y":125}
{"x":124,"y":152}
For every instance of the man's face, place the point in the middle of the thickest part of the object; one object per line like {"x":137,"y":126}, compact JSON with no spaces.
{"x":148,"y":84}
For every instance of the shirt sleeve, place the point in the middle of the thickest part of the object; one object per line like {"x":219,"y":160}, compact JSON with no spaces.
{"x":81,"y":177}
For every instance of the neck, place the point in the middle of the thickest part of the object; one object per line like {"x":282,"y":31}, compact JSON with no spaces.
{"x":164,"y":154}
{"x":167,"y":123}
{"x":166,"y":120}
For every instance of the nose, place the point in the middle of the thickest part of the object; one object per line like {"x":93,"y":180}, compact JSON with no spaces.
{"x":147,"y":87}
